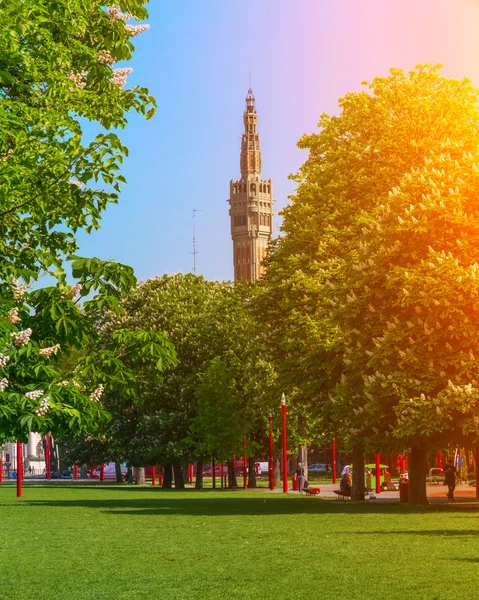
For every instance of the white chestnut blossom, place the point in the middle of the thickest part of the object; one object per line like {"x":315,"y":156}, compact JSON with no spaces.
{"x":79,"y":184}
{"x":105,"y":57}
{"x":49,"y":351}
{"x":134,"y":30}
{"x":97,"y":394}
{"x":34,"y":395}
{"x":4,"y":158}
{"x":19,"y":290}
{"x":3,"y":360}
{"x":73,"y":291}
{"x":13,"y":315}
{"x":119,"y":76}
{"x":114,"y":14}
{"x":3,"y":384}
{"x":78,"y":79}
{"x":21,"y":338}
{"x":43,"y":408}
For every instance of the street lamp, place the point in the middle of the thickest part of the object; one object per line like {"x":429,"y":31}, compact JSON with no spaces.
{"x":285,"y":452}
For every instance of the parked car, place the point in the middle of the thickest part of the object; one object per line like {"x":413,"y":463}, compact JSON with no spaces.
{"x":319,"y":467}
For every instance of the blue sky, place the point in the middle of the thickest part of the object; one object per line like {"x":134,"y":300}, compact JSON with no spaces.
{"x":303,"y":55}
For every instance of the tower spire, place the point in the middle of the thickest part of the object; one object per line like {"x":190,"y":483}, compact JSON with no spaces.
{"x":251,"y":202}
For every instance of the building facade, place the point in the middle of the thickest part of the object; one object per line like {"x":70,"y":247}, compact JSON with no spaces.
{"x":251,"y":203}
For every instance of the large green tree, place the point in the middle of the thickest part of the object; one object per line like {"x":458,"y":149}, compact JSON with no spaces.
{"x":381,"y":137}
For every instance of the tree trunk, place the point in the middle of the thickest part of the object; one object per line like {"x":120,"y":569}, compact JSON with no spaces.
{"x":276,"y":466}
{"x":251,"y":472}
{"x":179,"y":481}
{"x":199,"y":474}
{"x":83,"y":472}
{"x":119,"y":477}
{"x":167,"y":476}
{"x":303,"y":448}
{"x":357,"y":492}
{"x":417,"y":476}
{"x":140,"y":475}
{"x":232,"y":483}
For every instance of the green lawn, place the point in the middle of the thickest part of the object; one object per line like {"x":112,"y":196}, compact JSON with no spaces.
{"x":97,"y":542}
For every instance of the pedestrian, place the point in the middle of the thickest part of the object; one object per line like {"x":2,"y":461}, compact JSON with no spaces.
{"x":450,"y":473}
{"x":300,"y":476}
{"x":346,"y":471}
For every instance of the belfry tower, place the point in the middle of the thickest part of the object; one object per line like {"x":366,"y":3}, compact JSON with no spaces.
{"x":251,"y":203}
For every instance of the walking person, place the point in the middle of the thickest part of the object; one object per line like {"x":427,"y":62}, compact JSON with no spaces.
{"x":450,"y":474}
{"x":300,"y":476}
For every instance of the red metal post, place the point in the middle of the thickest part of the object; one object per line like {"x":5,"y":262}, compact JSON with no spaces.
{"x":75,"y":472}
{"x":378,"y":473}
{"x":270,"y":465}
{"x":333,"y":452}
{"x":102,"y":472}
{"x":91,"y":472}
{"x":439,"y":459}
{"x":153,"y":482}
{"x":190,"y":473}
{"x":245,"y":474}
{"x":285,"y":450}
{"x":1,"y":469}
{"x":213,"y":473}
{"x":476,"y":459}
{"x":47,"y":457}
{"x":19,"y":470}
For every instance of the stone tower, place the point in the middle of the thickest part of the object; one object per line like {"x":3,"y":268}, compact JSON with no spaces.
{"x":251,"y":203}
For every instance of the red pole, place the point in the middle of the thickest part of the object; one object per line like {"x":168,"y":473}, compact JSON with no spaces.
{"x":245,"y":480}
{"x":271,"y":466}
{"x":476,"y":458}
{"x":333,"y":451}
{"x":190,"y":473}
{"x":213,"y":473}
{"x":1,"y":469}
{"x":285,"y":451}
{"x":75,"y":472}
{"x":102,"y":472}
{"x":378,"y":473}
{"x":47,"y":457}
{"x":19,"y":470}
{"x":91,"y":472}
{"x":153,"y":482}
{"x":439,"y":459}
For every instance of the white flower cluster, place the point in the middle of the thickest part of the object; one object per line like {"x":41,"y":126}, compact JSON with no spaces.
{"x":73,"y":291}
{"x":134,"y":30}
{"x":78,"y":79}
{"x":49,"y":351}
{"x":4,"y":158}
{"x":3,"y":360}
{"x":64,"y":383}
{"x":97,"y":394}
{"x":79,"y":184}
{"x":19,"y":290}
{"x":120,"y":75}
{"x":21,"y":338}
{"x":3,"y":384}
{"x":43,"y":408}
{"x":13,"y":315}
{"x":105,"y":57}
{"x":114,"y":14}
{"x":34,"y":395}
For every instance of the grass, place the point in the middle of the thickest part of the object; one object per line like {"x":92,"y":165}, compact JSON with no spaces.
{"x":67,"y":542}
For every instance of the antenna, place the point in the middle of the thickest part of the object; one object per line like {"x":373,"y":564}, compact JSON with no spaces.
{"x":250,"y":80}
{"x":195,"y":251}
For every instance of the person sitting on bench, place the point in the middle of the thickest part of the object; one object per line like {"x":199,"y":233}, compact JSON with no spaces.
{"x":345,"y":483}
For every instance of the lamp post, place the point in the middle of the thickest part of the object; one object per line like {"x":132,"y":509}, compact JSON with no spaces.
{"x":271,"y":467}
{"x":47,"y":457}
{"x":245,"y":474}
{"x":285,"y":451}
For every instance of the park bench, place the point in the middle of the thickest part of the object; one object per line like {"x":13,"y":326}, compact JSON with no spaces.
{"x":343,"y":494}
{"x":312,"y":491}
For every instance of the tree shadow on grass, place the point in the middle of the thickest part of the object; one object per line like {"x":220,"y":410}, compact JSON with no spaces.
{"x":162,"y":503}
